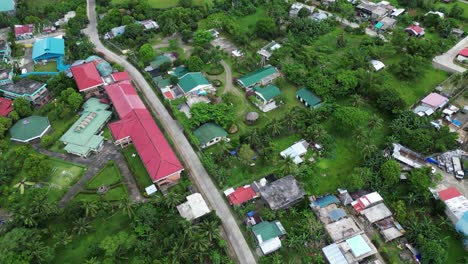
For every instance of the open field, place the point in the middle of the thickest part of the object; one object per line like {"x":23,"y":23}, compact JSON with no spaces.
{"x":137,"y":168}
{"x":109,"y":175}
{"x":247,"y":22}
{"x":64,"y":175}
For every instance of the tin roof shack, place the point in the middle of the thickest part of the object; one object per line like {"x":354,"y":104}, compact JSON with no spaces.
{"x":267,"y":235}
{"x":342,"y":229}
{"x":376,"y":213}
{"x":357,"y":248}
{"x":334,"y":255}
{"x":367,"y":201}
{"x":282,"y":193}
{"x":407,"y":156}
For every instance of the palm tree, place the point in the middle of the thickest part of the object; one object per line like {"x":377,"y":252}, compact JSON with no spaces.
{"x":172,"y":200}
{"x":367,"y":150}
{"x":253,"y":138}
{"x":211,"y":231}
{"x":91,"y":208}
{"x":374,"y":123}
{"x":22,"y":184}
{"x":275,"y":128}
{"x":127,"y":205}
{"x":356,"y":100}
{"x":224,"y":147}
{"x":81,"y":226}
{"x":92,"y":260}
{"x":288,"y":166}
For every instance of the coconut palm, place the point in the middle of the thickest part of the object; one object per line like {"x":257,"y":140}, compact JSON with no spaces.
{"x":253,"y":138}
{"x":127,"y":205}
{"x":374,"y":123}
{"x":81,"y":226}
{"x":275,"y":128}
{"x":367,"y":150}
{"x":288,"y":166}
{"x":356,"y":100}
{"x":90,"y":207}
{"x":22,"y":184}
{"x":172,"y":200}
{"x":210,"y":230}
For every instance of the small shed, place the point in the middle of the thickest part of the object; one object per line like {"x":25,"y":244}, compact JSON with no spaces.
{"x":209,"y":134}
{"x":308,"y":98}
{"x":251,"y":117}
{"x":377,"y":65}
{"x":29,"y":128}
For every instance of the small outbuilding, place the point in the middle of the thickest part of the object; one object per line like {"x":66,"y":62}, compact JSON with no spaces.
{"x":308,"y":98}
{"x":268,"y":234}
{"x":209,"y":134}
{"x":296,"y":151}
{"x":251,"y":117}
{"x":376,"y":213}
{"x":29,"y":129}
{"x":377,"y":65}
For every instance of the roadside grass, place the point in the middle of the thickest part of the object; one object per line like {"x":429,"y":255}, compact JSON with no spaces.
{"x":82,"y":246}
{"x":116,"y":193}
{"x":137,"y":168}
{"x":48,"y":67}
{"x":109,"y":175}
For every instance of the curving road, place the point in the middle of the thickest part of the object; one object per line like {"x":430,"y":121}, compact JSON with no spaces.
{"x":188,"y":155}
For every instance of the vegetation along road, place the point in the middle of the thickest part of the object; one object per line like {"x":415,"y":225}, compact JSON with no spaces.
{"x":192,"y":163}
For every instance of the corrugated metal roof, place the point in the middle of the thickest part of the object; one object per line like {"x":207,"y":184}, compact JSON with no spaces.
{"x":334,"y":255}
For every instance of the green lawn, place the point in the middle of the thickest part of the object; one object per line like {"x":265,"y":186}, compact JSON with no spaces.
{"x":60,"y":126}
{"x":164,"y":3}
{"x":137,"y":168}
{"x":37,"y":4}
{"x":117,"y":193}
{"x":109,"y":175}
{"x":64,"y":175}
{"x":78,"y":250}
{"x":48,"y":67}
{"x":247,"y":22}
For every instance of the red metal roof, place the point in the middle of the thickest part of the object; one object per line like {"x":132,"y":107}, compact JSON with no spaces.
{"x":24,"y":29}
{"x":169,"y":95}
{"x":86,"y":76}
{"x":241,"y":195}
{"x":417,"y":29}
{"x":464,"y":52}
{"x":120,"y":76}
{"x":449,"y":193}
{"x":6,"y":106}
{"x":138,"y":124}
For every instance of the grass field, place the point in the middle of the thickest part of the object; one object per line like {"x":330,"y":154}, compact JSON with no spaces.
{"x":164,"y":3}
{"x":247,"y":22}
{"x":60,"y":126}
{"x":109,"y":175}
{"x":64,"y":175}
{"x":137,"y":168}
{"x":48,"y":67}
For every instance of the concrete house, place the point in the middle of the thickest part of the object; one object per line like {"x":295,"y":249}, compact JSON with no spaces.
{"x":24,"y":31}
{"x":87,"y":78}
{"x":268,"y":50}
{"x":7,"y":6}
{"x":82,"y":138}
{"x":115,"y":32}
{"x":282,"y":193}
{"x":266,"y":97}
{"x":30,"y":128}
{"x":194,"y":208}
{"x":209,"y":134}
{"x":267,"y":235}
{"x":33,"y":91}
{"x":48,"y":49}
{"x":194,"y":83}
{"x":263,"y":76}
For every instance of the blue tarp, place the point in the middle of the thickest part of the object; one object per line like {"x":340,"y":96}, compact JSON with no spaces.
{"x":456,"y":122}
{"x":433,"y":161}
{"x":325,"y":201}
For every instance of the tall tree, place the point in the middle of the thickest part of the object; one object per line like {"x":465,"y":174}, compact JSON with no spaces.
{"x":146,"y":53}
{"x":22,"y":107}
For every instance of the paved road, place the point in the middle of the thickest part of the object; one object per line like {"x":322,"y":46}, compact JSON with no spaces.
{"x":40,"y":36}
{"x":189,"y":157}
{"x":445,"y":61}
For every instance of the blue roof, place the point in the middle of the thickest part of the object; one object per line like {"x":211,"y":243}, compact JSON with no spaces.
{"x":48,"y":48}
{"x":326,"y":200}
{"x":462,"y":227}
{"x":336,"y":214}
{"x":7,"y":5}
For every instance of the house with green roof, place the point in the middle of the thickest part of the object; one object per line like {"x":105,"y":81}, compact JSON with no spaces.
{"x":194,"y":83}
{"x":261,"y":76}
{"x":179,"y":71}
{"x":266,"y":97}
{"x":164,"y":84}
{"x":308,"y":98}
{"x":209,"y":134}
{"x":7,"y":6}
{"x":159,"y":60}
{"x":82,"y":138}
{"x":267,"y":235}
{"x":30,"y":128}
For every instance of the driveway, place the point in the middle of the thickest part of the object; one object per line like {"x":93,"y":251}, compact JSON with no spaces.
{"x":192,"y":163}
{"x":445,"y":61}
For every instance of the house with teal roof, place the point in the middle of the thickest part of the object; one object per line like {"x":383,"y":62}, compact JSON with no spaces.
{"x":266,"y":97}
{"x":263,"y":76}
{"x":194,"y":83}
{"x":209,"y":134}
{"x":179,"y":71}
{"x":267,"y":235}
{"x":83,"y":137}
{"x":7,"y":6}
{"x":308,"y":98}
{"x":48,"y":49}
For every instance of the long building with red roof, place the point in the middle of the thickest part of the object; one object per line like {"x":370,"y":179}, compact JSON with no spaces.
{"x":137,"y":126}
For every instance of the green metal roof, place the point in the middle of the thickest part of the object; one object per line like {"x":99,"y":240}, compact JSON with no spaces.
{"x":29,"y":128}
{"x":267,"y":230}
{"x":7,"y":5}
{"x":379,"y":25}
{"x":256,"y":76}
{"x":209,"y":131}
{"x":180,"y":71}
{"x":308,"y":96}
{"x":267,"y":92}
{"x":159,"y":60}
{"x":191,"y":80}
{"x":81,"y":138}
{"x":161,"y":82}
